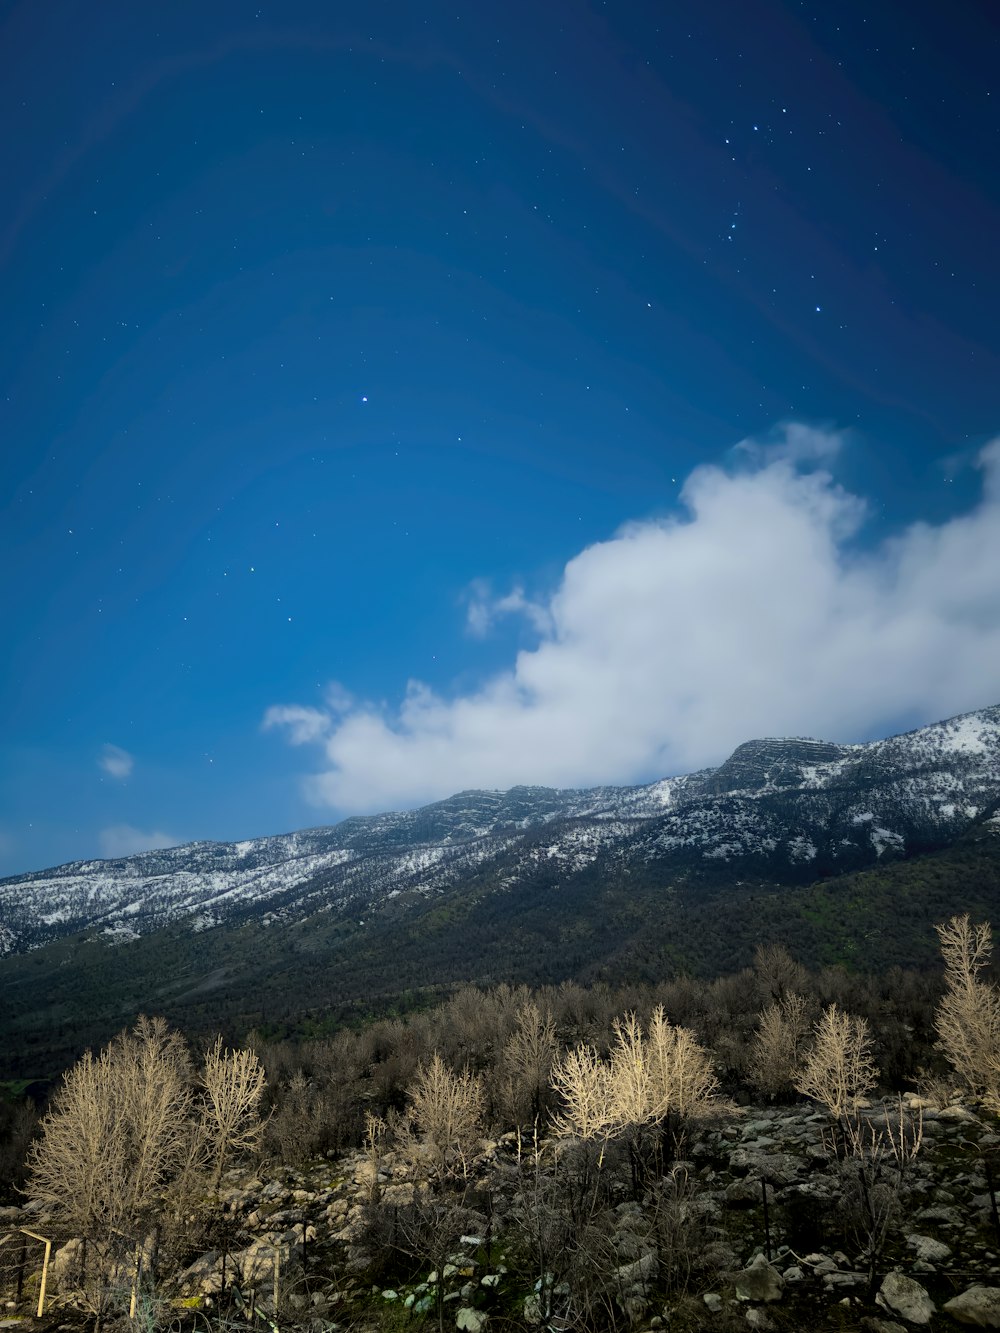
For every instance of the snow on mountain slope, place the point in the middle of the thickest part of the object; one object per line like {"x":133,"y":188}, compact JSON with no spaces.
{"x":785,"y":808}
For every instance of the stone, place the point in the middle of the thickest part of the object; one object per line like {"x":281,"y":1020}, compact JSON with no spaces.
{"x":532,"y":1309}
{"x":759,"y":1282}
{"x":743,"y":1194}
{"x":901,"y":1295}
{"x":758,"y":1319}
{"x":928,"y":1249}
{"x":713,"y":1301}
{"x":65,"y":1265}
{"x":473,"y":1321}
{"x":957,"y":1113}
{"x":979,"y":1306}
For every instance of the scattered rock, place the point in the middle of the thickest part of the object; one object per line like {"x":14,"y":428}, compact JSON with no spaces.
{"x":759,"y":1282}
{"x":979,"y":1306}
{"x":758,"y":1319}
{"x":473,"y":1321}
{"x":532,"y":1310}
{"x":929,"y":1249}
{"x":901,"y":1295}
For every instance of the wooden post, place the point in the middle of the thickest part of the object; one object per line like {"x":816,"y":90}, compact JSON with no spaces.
{"x":45,"y":1267}
{"x":135,"y":1282}
{"x":45,"y":1278}
{"x":277,"y":1267}
{"x":20,"y":1269}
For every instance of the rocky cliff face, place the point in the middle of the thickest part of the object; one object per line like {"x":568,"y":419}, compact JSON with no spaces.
{"x":772,"y":763}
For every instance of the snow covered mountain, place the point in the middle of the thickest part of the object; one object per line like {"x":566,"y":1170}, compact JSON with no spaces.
{"x":777,"y":810}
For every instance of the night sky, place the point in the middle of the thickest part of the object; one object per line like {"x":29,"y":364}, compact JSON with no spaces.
{"x":403,"y":397}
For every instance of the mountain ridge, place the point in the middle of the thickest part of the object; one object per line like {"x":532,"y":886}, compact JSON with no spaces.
{"x":782,"y":808}
{"x":847,"y":855}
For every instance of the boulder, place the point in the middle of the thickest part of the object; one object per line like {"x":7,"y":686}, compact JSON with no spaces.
{"x":65,"y":1267}
{"x":927,"y":1248}
{"x":901,"y":1295}
{"x":759,"y":1282}
{"x":979,"y":1306}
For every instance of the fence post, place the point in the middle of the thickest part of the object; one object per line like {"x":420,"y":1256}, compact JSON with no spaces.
{"x":20,"y":1268}
{"x":137,"y":1274}
{"x":45,"y":1278}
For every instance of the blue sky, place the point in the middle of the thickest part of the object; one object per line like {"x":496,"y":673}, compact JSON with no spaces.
{"x":402,"y":398}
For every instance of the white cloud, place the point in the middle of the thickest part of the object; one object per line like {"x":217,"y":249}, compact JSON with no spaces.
{"x":793,"y":442}
{"x":124,"y":840}
{"x":754,"y":613}
{"x":484,"y":610}
{"x":115,"y":761}
{"x":304,"y":724}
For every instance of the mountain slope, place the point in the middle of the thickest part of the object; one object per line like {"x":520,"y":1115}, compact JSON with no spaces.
{"x":784,"y":810}
{"x":531,"y":884}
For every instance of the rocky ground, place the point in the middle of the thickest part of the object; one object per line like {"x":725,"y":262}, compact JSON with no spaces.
{"x":775,"y":1228}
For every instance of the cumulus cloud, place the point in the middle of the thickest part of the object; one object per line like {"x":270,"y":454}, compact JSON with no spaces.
{"x":755,"y":611}
{"x":124,"y":840}
{"x":115,"y":761}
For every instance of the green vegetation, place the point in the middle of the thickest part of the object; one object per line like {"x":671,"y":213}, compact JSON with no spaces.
{"x":600,"y":926}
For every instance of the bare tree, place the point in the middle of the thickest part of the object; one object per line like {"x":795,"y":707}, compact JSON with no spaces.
{"x":127,"y":1145}
{"x":119,"y":1134}
{"x":875,"y":1157}
{"x":234,"y":1085}
{"x":777,"y":1048}
{"x":968,"y":1018}
{"x":683,"y":1082}
{"x":448,"y":1109}
{"x":839,"y":1070}
{"x":429,"y":1229}
{"x":583,"y":1081}
{"x":526,"y":1063}
{"x":777,"y":972}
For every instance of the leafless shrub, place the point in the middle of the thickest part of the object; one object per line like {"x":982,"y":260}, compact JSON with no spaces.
{"x":429,"y":1230}
{"x":448,"y":1110}
{"x":233,"y":1082}
{"x":525,"y":1065}
{"x":839,"y":1070}
{"x":583,"y":1081}
{"x":129,"y":1146}
{"x":968,"y":1018}
{"x":875,"y":1156}
{"x":777,"y":1048}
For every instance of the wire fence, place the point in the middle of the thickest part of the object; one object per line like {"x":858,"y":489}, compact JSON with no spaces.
{"x":24,"y":1269}
{"x":248,"y":1274}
